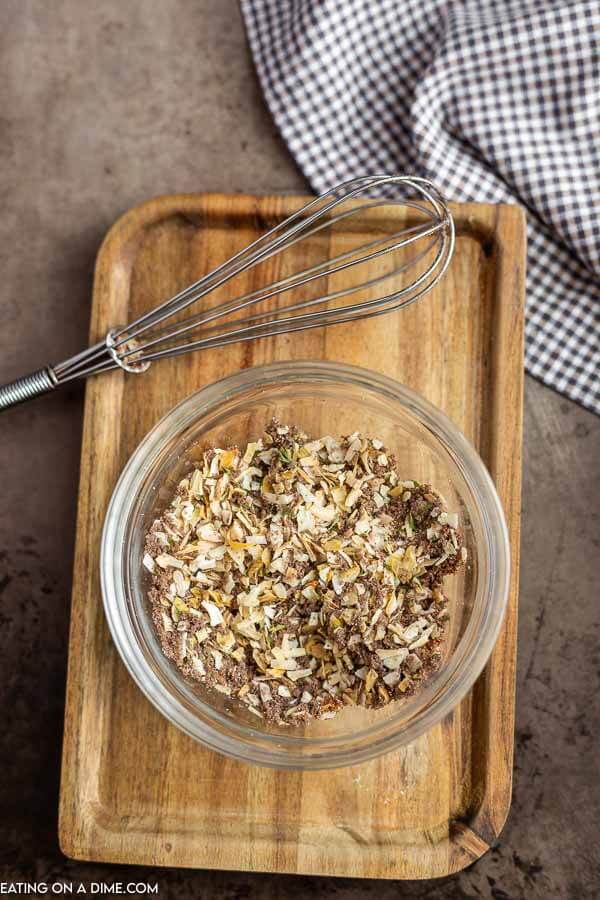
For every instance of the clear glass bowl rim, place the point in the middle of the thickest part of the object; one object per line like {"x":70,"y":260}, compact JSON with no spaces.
{"x":242,"y":742}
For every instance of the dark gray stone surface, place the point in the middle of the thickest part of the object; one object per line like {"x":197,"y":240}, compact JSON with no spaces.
{"x":102,"y":106}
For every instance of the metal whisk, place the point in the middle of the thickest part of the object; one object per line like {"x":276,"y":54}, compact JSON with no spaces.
{"x":161,"y":332}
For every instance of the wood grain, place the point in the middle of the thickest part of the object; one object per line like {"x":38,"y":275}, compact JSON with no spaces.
{"x":136,"y":790}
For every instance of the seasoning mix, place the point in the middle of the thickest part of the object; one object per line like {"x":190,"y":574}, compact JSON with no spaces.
{"x":299,"y":576}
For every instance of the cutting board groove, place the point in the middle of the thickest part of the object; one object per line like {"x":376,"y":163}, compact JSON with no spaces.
{"x":136,"y":790}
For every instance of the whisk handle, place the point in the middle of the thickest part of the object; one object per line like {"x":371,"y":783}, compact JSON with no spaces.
{"x":41,"y":382}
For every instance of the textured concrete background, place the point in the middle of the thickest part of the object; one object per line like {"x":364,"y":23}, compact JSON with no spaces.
{"x":105,"y":105}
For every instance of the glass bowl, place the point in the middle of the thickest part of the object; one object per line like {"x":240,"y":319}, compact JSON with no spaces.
{"x":321,"y":398}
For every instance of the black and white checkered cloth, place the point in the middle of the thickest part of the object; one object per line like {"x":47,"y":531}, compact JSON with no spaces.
{"x":495,"y":101}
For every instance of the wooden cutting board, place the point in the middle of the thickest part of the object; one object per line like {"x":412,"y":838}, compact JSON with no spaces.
{"x":136,"y":790}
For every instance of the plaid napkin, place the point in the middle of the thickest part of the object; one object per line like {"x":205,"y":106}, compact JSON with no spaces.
{"x":497,"y":102}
